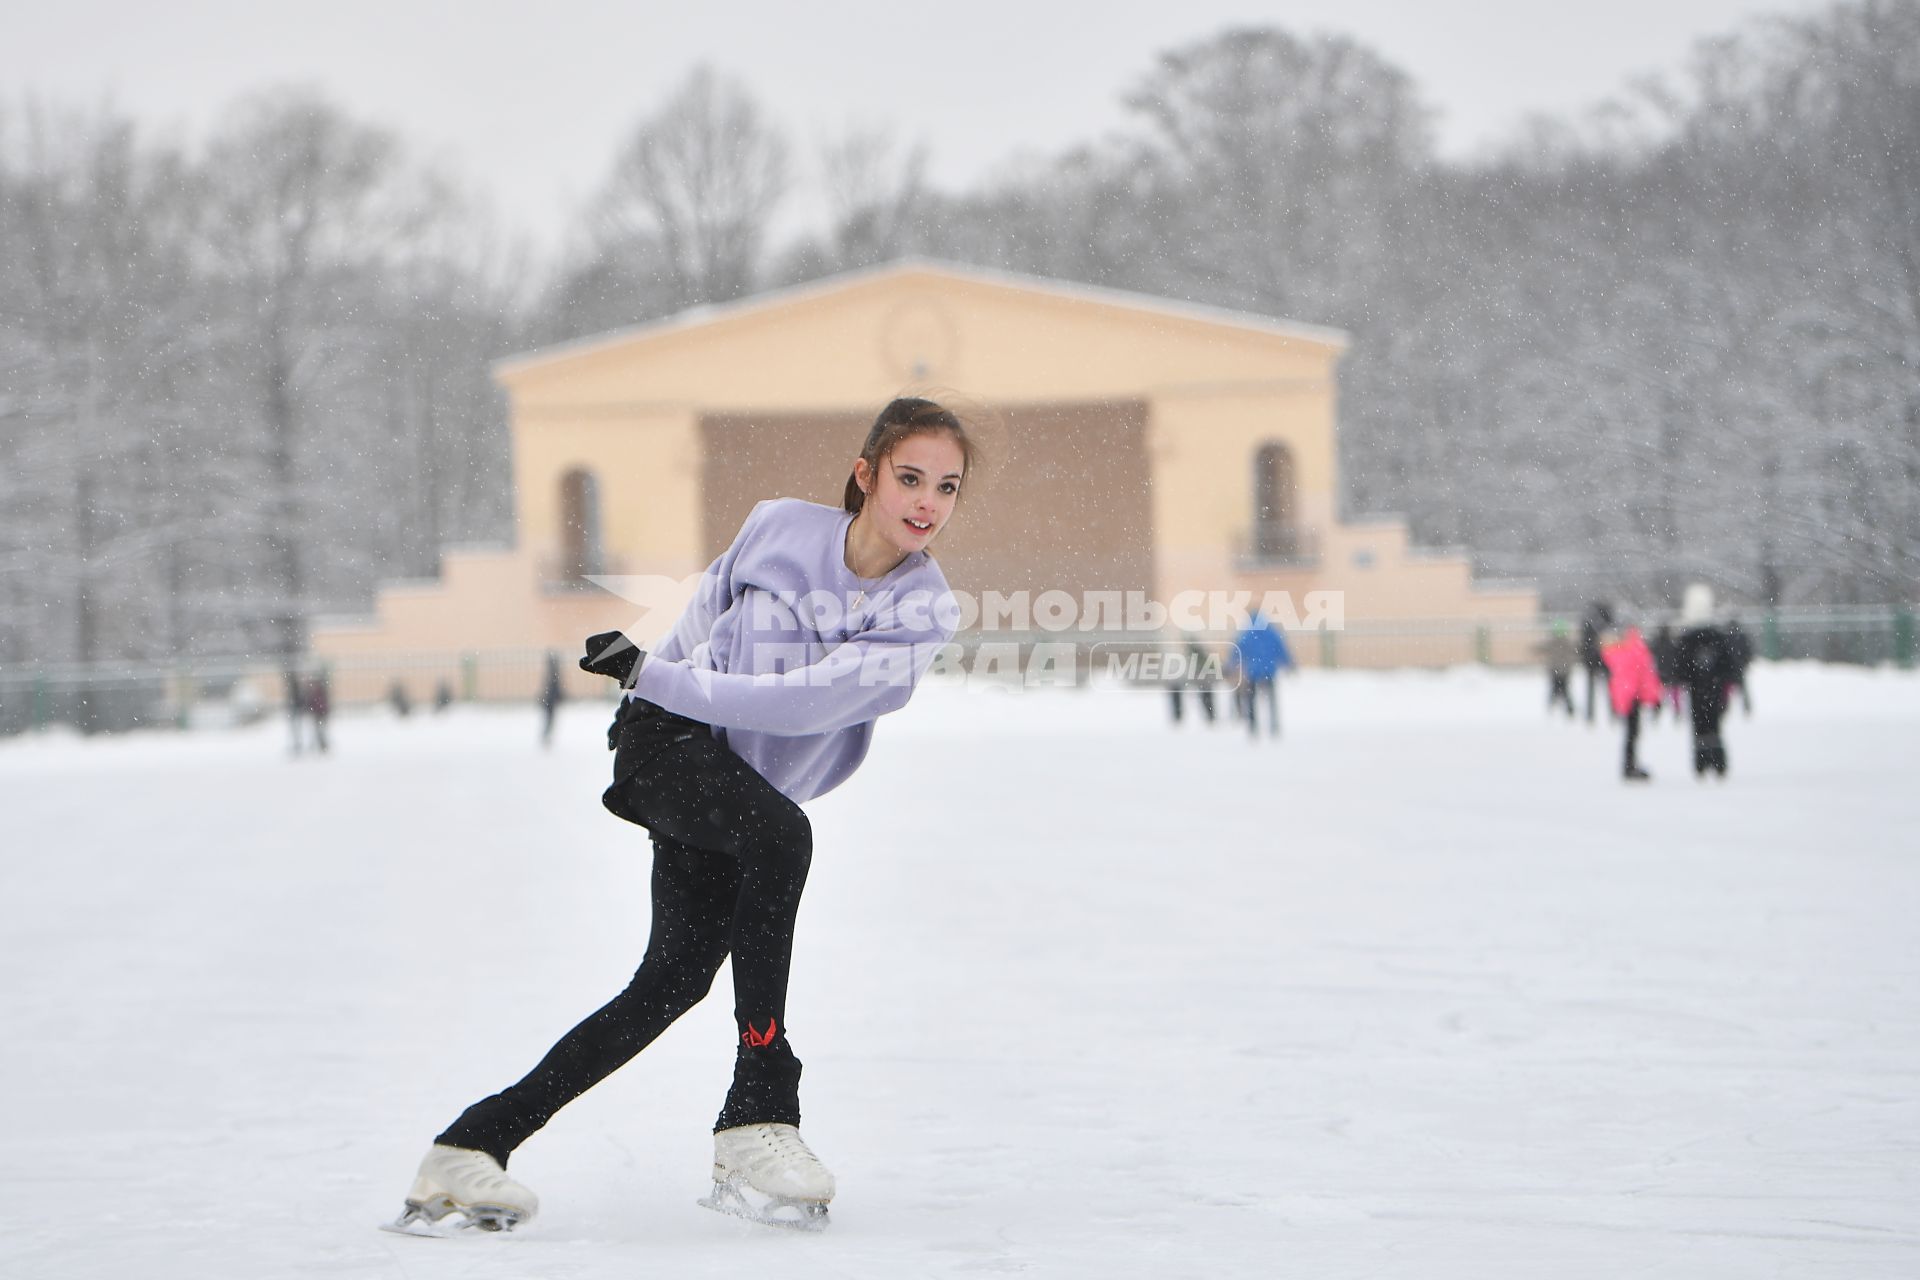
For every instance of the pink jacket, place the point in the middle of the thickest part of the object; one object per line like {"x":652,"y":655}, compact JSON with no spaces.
{"x":1631,"y":675}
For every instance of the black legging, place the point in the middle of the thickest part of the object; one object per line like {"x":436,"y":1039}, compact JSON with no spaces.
{"x":1707,"y":699}
{"x":730,"y":858}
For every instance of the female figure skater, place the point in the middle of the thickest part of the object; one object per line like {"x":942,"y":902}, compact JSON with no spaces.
{"x":811,"y":625}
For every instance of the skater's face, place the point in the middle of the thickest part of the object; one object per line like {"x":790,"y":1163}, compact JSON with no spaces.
{"x":911,"y":493}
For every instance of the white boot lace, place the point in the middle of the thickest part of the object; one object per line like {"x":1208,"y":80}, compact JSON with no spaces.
{"x":475,"y":1175}
{"x":789,"y":1145}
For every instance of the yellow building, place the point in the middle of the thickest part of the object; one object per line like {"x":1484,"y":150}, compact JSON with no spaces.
{"x":1148,"y":446}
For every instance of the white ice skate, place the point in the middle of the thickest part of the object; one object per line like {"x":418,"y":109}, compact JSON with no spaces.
{"x":766,"y":1173}
{"x":468,"y":1186}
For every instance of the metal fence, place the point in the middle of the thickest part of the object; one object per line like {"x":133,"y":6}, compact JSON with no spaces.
{"x":1874,"y":636}
{"x":208,"y":693}
{"x":107,"y":698}
{"x":1867,"y":636}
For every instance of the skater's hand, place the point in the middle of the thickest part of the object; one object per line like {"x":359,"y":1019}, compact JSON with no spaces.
{"x":612,"y":655}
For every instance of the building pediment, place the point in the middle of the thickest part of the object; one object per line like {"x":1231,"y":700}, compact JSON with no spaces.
{"x":856,"y":339}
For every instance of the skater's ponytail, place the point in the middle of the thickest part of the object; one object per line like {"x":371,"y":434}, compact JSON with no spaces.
{"x":905,"y":417}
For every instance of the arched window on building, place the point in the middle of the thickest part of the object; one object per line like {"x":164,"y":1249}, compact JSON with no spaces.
{"x":581,"y":551}
{"x":1276,"y":532}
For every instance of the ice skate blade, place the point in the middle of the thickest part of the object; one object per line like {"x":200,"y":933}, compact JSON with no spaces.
{"x":442,"y":1219}
{"x":771,"y":1211}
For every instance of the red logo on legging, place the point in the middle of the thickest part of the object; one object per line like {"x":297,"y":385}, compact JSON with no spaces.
{"x":760,"y":1040}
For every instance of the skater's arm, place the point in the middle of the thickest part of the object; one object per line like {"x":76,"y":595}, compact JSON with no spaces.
{"x":713,"y":598}
{"x":862,"y":679}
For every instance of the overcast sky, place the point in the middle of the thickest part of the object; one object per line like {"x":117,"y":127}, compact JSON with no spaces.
{"x":530,"y":100}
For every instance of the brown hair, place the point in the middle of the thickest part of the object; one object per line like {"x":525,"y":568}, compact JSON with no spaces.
{"x":904,"y":417}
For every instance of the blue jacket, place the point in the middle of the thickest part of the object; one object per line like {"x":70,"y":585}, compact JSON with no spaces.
{"x":1263,"y":651}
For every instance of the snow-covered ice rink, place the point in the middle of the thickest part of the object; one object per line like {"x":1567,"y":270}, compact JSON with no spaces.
{"x":1422,"y":990}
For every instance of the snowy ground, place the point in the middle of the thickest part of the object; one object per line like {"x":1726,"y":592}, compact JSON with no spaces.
{"x":1421,"y":991}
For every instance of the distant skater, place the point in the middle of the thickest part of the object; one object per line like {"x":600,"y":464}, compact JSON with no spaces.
{"x":1559,"y":653}
{"x":1704,"y":661}
{"x":1261,"y":655}
{"x":1597,"y":619}
{"x":1663,"y":657}
{"x":551,"y":696}
{"x":1632,"y":682}
{"x":296,"y":696}
{"x":1740,"y":653}
{"x":319,"y":707}
{"x":1196,"y":677}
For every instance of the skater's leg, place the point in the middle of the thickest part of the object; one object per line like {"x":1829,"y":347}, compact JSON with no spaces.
{"x":1717,"y":753}
{"x":709,"y":799}
{"x":1632,"y":769}
{"x":694,"y":895}
{"x":1705,"y":719}
{"x":766,"y":1074}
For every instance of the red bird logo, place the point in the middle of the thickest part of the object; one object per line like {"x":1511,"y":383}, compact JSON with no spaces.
{"x":759,"y":1039}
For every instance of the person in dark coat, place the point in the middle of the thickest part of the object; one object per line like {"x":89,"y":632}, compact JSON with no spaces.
{"x":551,"y":696}
{"x":320,"y":707}
{"x":1205,"y":669}
{"x":1742,"y":646}
{"x":1704,"y":661}
{"x":1662,"y":647}
{"x":1559,"y":653}
{"x":296,"y":707}
{"x":1598,"y":617}
{"x":1196,"y":677}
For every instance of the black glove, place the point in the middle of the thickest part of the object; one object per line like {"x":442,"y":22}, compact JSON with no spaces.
{"x":611,"y":654}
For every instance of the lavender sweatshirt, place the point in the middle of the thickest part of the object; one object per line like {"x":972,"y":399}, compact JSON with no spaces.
{"x":789,"y":656}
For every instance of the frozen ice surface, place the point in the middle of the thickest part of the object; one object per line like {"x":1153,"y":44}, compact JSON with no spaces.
{"x":1422,"y":990}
